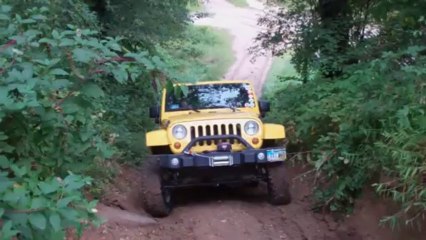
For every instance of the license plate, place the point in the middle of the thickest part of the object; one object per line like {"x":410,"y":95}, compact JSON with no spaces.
{"x":274,"y":155}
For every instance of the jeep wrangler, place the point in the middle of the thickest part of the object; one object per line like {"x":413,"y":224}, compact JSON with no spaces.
{"x":210,"y":136}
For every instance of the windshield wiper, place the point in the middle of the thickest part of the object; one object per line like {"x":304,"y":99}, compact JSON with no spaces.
{"x":234,"y":109}
{"x":193,"y":109}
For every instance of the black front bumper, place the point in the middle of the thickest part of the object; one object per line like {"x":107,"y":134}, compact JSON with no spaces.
{"x":249,"y":156}
{"x":215,"y":159}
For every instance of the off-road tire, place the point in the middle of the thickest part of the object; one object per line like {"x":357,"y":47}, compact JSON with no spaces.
{"x":278,"y":185}
{"x":154,"y":198}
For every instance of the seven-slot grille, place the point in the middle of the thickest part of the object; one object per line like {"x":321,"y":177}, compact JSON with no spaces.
{"x":214,"y":130}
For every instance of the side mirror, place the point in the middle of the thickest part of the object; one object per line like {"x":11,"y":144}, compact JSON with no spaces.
{"x":264,"y":106}
{"x":154,"y":112}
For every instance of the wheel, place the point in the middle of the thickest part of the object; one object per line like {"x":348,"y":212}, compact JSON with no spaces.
{"x":157,"y":201}
{"x":278,"y":186}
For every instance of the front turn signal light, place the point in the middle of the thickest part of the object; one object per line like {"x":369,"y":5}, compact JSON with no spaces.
{"x":177,"y":145}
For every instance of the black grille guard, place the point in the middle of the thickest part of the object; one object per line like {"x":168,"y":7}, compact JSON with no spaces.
{"x":216,"y":137}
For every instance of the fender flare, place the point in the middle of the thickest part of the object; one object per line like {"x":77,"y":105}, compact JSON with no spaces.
{"x":157,"y":138}
{"x":273,"y":131}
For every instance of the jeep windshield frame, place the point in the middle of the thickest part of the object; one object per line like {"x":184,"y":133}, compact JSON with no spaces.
{"x":234,"y":95}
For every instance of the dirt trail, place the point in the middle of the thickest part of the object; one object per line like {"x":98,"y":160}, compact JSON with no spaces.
{"x":242,"y":25}
{"x":217,"y":214}
{"x":222,"y":214}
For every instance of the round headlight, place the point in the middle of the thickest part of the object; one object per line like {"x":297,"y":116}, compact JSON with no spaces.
{"x":179,"y":132}
{"x":251,"y":128}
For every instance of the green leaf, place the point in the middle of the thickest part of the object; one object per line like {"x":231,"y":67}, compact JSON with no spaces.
{"x":93,"y":204}
{"x":4,"y":147}
{"x":85,"y":135}
{"x":55,"y":34}
{"x":55,"y":221}
{"x":48,"y":41}
{"x":73,"y":182}
{"x":61,"y":84}
{"x":17,"y":196}
{"x":83,"y":55}
{"x":19,"y":171}
{"x":58,"y":235}
{"x":66,"y":42}
{"x":4,"y":17}
{"x":7,"y":231}
{"x":38,"y":203}
{"x":49,"y":187}
{"x":38,"y":220}
{"x":32,"y":33}
{"x":3,"y":136}
{"x":39,"y":17}
{"x":5,"y":183}
{"x":59,"y":71}
{"x":92,"y":90}
{"x":4,"y":162}
{"x":28,"y":21}
{"x":69,"y":213}
{"x":70,"y":107}
{"x":63,"y":203}
{"x":120,"y":74}
{"x":6,"y":8}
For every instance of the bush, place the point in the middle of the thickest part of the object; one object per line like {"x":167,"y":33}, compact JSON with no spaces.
{"x":52,"y":133}
{"x":361,"y":108}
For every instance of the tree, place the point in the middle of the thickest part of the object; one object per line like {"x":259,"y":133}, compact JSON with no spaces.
{"x":361,"y":108}
{"x":146,"y":21}
{"x":59,"y":86}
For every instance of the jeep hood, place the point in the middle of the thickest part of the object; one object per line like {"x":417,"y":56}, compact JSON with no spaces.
{"x":203,"y":116}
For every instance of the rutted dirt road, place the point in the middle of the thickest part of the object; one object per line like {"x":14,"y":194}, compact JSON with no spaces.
{"x":218,"y":214}
{"x":226,"y":214}
{"x":222,"y":214}
{"x":241,"y":23}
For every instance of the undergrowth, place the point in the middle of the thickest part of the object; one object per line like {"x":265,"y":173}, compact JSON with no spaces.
{"x":360,"y":100}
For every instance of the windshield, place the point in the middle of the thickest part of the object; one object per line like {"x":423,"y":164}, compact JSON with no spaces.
{"x":208,"y":96}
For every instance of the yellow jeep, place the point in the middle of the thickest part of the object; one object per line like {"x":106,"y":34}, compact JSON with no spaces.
{"x":210,"y":135}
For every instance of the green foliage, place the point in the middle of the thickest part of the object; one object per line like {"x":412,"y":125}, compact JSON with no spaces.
{"x":61,"y":12}
{"x":194,"y":6}
{"x":239,"y":3}
{"x":55,"y":88}
{"x":146,"y":21}
{"x":203,"y":54}
{"x":280,"y":75}
{"x":361,"y":109}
